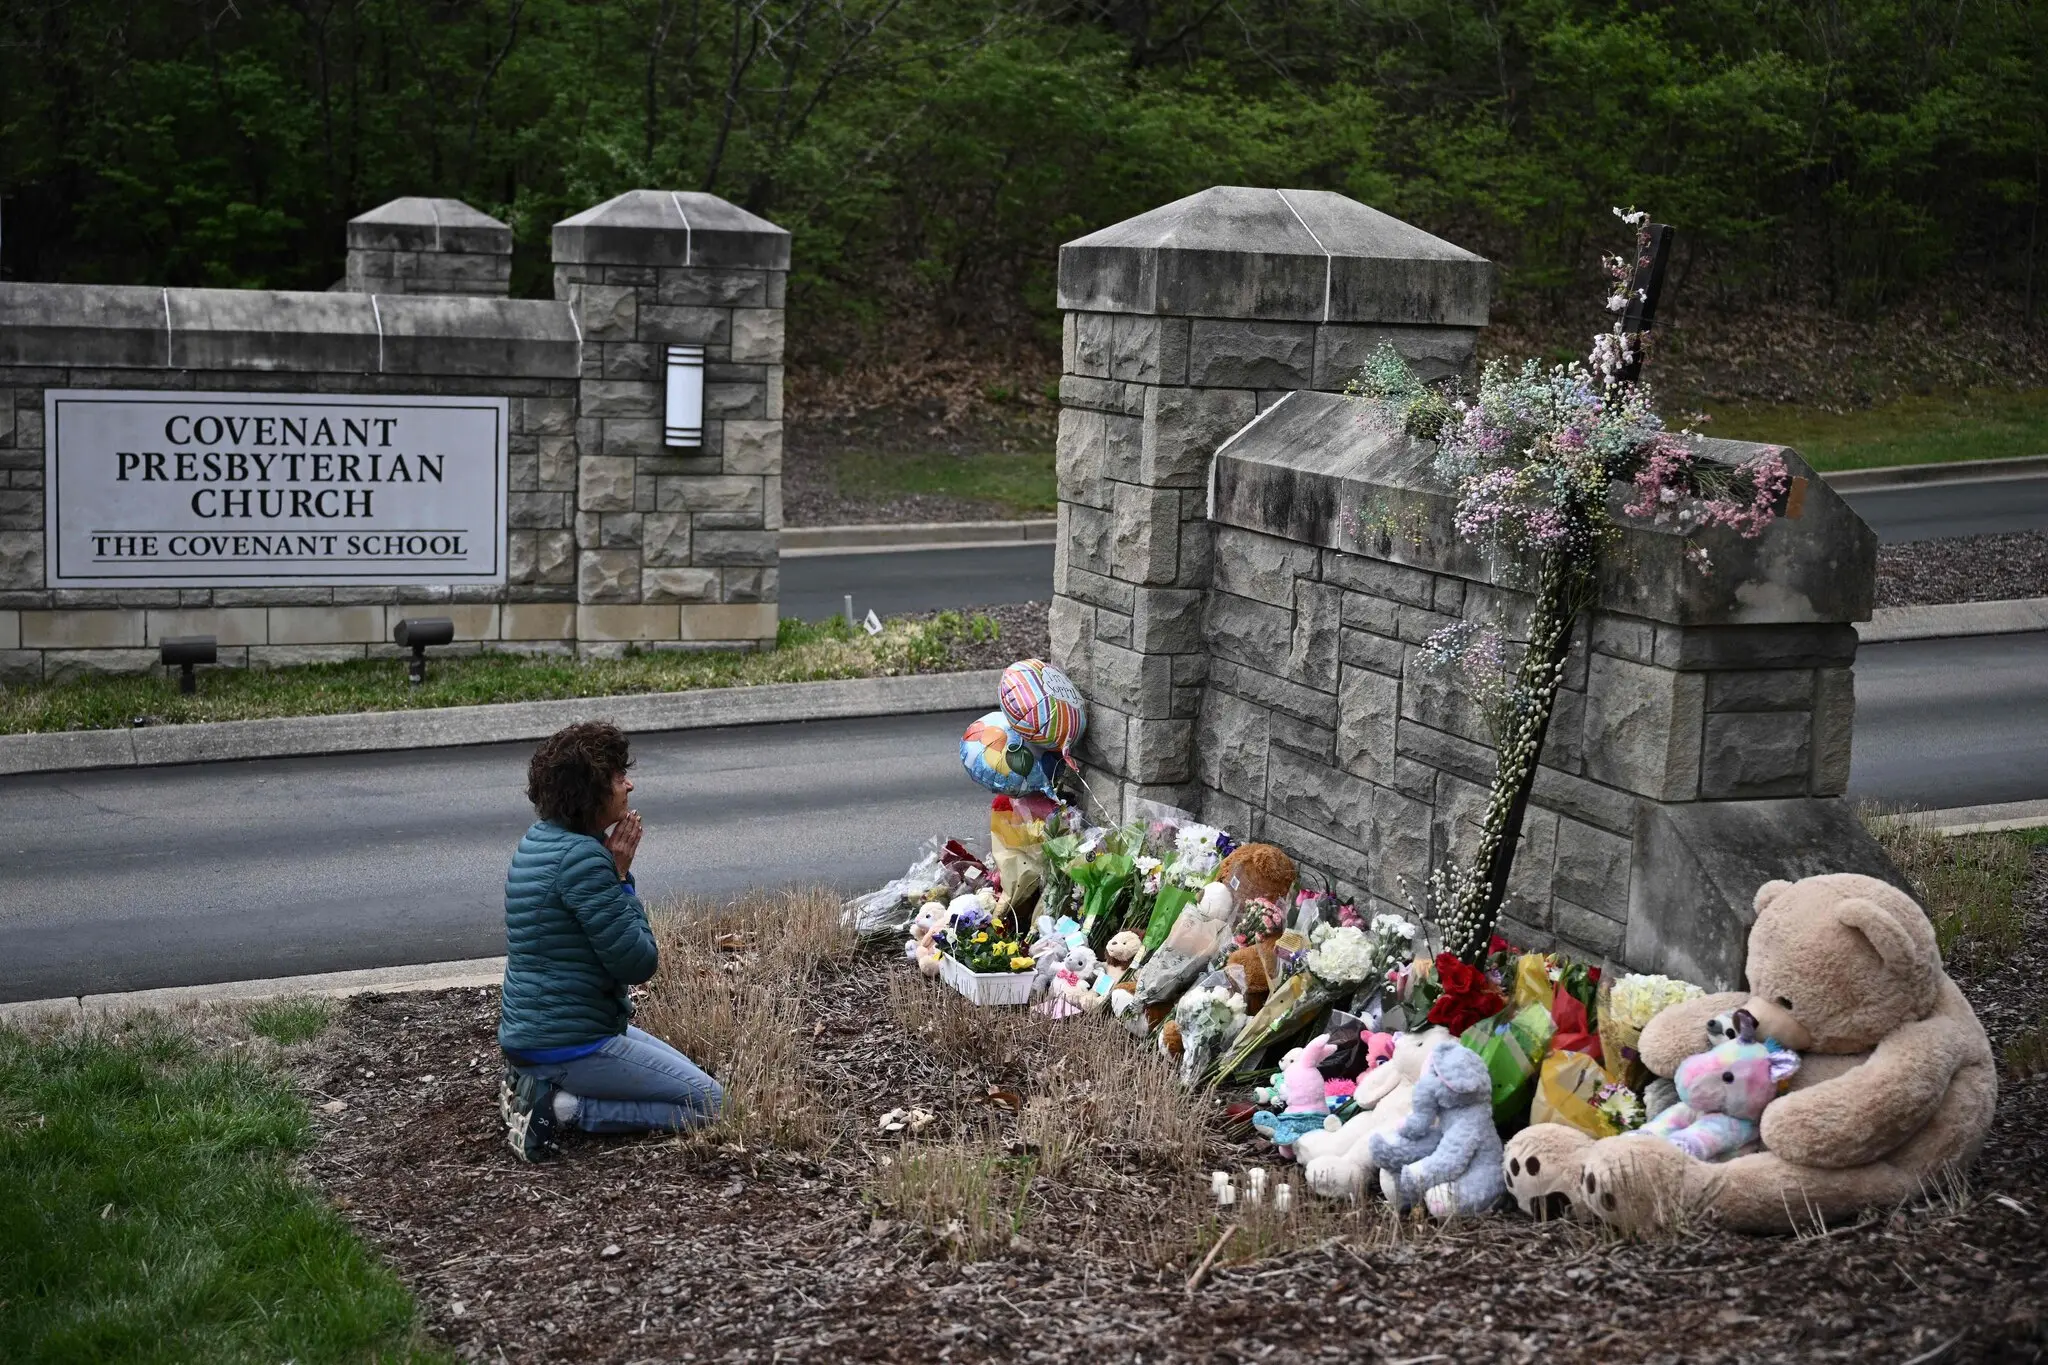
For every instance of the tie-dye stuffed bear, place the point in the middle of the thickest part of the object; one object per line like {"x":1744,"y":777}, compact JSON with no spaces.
{"x":1722,"y":1093}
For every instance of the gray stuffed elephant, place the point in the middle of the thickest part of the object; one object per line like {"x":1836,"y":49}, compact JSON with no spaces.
{"x":1446,"y":1153}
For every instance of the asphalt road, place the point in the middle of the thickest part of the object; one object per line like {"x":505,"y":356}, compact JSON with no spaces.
{"x":1944,"y":723}
{"x":1935,"y":511}
{"x":925,"y":580}
{"x":815,"y":586}
{"x":125,"y":880}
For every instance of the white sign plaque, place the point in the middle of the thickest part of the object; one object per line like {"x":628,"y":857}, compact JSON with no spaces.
{"x":151,"y":488}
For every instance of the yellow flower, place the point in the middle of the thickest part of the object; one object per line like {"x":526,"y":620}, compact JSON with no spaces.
{"x":981,"y":937}
{"x":1022,"y":964}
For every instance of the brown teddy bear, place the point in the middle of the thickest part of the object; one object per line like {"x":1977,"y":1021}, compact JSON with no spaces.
{"x":1257,"y":871}
{"x":1896,"y":1084}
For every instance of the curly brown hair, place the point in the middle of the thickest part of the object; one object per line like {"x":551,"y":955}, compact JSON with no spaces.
{"x":570,"y":778}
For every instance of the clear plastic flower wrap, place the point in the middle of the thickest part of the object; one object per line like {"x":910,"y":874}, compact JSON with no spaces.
{"x":884,"y":915}
{"x":1209,"y":1017}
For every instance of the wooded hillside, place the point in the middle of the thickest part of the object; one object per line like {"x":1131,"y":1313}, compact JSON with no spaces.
{"x":931,"y":154}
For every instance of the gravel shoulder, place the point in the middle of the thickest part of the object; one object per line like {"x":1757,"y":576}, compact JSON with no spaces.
{"x":657,"y":1249}
{"x":1965,"y":569}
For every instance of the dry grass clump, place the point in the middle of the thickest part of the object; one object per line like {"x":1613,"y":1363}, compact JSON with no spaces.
{"x":1002,"y":1129}
{"x":2026,"y":1056}
{"x":968,"y":1194}
{"x":1969,"y":885}
{"x":1086,"y":1139}
{"x":730,"y":995}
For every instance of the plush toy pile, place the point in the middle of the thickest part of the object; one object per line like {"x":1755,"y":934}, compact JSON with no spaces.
{"x":1851,"y":1075}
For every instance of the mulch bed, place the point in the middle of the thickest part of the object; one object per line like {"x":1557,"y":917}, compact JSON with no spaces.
{"x":1964,"y":569}
{"x":1026,"y":633}
{"x":641,"y":1250}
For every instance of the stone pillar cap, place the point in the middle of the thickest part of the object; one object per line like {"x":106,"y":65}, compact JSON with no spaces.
{"x":417,"y":224}
{"x":671,"y":228}
{"x":1284,"y":255}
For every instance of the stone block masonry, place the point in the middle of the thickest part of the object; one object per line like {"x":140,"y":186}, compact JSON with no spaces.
{"x":613,"y":538}
{"x":428,"y":246}
{"x":663,"y":527}
{"x":1248,"y":568}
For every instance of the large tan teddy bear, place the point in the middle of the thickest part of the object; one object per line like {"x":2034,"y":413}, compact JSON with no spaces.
{"x":1896,"y":1084}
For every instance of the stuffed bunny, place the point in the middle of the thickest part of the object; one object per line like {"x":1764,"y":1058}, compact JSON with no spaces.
{"x":1447,"y":1152}
{"x":1722,"y":1093}
{"x":1302,"y":1085}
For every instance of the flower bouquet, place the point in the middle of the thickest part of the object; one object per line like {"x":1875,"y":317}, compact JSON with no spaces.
{"x":1625,"y":1007}
{"x":1512,"y":1044}
{"x":982,"y":962}
{"x":1103,"y":873}
{"x":1059,"y":848}
{"x":1468,"y":996}
{"x":1208,"y":1018}
{"x":1337,"y":960}
{"x":1197,"y":851}
{"x":1401,"y":1001}
{"x":1261,"y":921}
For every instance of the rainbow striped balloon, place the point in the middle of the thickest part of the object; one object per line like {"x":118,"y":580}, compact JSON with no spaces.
{"x":1042,"y":704}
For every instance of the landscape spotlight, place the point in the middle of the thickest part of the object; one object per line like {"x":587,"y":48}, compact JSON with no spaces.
{"x":185,"y":651}
{"x":416,"y":633}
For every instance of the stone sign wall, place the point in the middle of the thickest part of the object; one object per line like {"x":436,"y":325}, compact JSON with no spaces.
{"x":1700,"y":744}
{"x":611,"y":538}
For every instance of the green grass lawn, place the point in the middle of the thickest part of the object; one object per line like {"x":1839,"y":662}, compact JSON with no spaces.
{"x":1012,"y":483}
{"x":805,"y":652}
{"x":1984,"y":424}
{"x":149,"y":1212}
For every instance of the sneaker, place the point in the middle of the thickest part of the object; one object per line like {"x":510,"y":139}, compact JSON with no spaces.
{"x":530,"y":1125}
{"x":508,"y":1085}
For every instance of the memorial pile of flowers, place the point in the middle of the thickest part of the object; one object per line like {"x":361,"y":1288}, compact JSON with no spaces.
{"x":1339,"y":1026}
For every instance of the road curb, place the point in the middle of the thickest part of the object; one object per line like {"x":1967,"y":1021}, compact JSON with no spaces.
{"x":915,"y":535}
{"x":1977,"y":819}
{"x":1956,"y":471}
{"x":427,"y":976}
{"x":494,"y":723}
{"x":2012,"y":616}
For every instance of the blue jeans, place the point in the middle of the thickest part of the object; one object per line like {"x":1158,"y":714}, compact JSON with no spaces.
{"x":635,"y":1083}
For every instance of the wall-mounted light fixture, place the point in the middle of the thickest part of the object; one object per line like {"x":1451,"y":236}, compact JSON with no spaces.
{"x":684,"y":412}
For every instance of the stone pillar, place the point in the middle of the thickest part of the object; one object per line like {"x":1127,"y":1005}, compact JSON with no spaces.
{"x":676,"y":545}
{"x":1182,"y":326}
{"x":428,"y":246}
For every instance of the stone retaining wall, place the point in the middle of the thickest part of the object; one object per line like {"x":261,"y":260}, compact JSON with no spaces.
{"x":613,"y":539}
{"x":1263,"y":669}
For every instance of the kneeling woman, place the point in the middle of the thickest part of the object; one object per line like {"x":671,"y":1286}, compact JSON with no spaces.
{"x":576,"y":936}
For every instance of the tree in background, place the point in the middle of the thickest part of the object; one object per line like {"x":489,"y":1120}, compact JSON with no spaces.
{"x":931,"y":156}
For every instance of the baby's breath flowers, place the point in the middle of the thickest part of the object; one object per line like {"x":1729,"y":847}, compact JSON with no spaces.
{"x":1533,"y":456}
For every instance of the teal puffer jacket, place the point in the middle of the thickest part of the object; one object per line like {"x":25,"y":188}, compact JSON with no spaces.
{"x":575,"y":938}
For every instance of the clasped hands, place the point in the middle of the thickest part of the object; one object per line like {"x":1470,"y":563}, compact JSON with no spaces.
{"x":624,"y":841}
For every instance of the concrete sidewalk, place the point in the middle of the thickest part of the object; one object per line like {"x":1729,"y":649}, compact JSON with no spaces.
{"x":428,"y":976}
{"x":2013,"y":616}
{"x":1954,"y":471}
